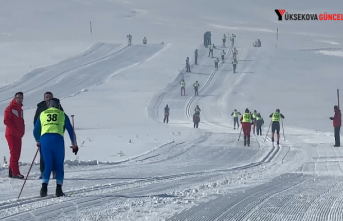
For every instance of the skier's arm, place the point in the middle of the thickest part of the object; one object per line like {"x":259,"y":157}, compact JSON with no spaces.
{"x":239,"y":113}
{"x":37,"y":130}
{"x":70,"y":130}
{"x":36,"y":116}
{"x":282,"y":116}
{"x":271,"y":115}
{"x":231,"y":113}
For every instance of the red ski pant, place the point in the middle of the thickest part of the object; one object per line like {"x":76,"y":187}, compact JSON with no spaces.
{"x":14,"y":145}
{"x":246,"y":127}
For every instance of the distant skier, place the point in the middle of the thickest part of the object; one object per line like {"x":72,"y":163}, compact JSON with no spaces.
{"x":196,"y":120}
{"x":223,"y":55}
{"x":254,"y":115}
{"x":206,"y":39}
{"x":234,"y":65}
{"x":209,"y":42}
{"x":166,"y":114}
{"x":337,"y":122}
{"x":196,"y":56}
{"x":210,"y":50}
{"x":197,"y":110}
{"x":234,"y":53}
{"x":188,"y":67}
{"x":259,"y":124}
{"x":216,"y":61}
{"x":246,"y":126}
{"x":196,"y":86}
{"x":129,"y":37}
{"x":49,"y":132}
{"x":183,"y":86}
{"x":276,"y":117}
{"x":224,"y":40}
{"x":232,"y":39}
{"x":235,"y":114}
{"x":145,"y":41}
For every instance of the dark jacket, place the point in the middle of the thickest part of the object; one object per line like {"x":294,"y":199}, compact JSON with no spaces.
{"x":337,"y":118}
{"x":166,"y":110}
{"x":40,"y":108}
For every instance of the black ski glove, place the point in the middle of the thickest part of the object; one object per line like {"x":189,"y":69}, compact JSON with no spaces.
{"x":331,"y":118}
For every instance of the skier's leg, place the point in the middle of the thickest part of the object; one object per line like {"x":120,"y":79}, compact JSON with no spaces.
{"x":46,"y":147}
{"x":58,"y":156}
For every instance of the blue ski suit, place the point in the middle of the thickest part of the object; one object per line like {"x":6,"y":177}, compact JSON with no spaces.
{"x":49,"y":132}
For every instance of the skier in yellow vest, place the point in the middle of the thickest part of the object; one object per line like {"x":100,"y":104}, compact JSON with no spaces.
{"x":235,"y":115}
{"x":49,"y":133}
{"x":246,"y":126}
{"x":224,"y":40}
{"x":183,"y":85}
{"x":254,"y":115}
{"x":276,"y":117}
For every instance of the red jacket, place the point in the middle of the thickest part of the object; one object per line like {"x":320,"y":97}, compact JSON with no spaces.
{"x":14,"y":120}
{"x":337,"y":119}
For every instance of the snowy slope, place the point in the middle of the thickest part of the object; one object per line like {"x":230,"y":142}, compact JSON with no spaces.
{"x":131,"y":166}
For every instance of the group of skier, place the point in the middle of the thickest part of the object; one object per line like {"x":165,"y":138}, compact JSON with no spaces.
{"x":50,"y":123}
{"x":129,"y":38}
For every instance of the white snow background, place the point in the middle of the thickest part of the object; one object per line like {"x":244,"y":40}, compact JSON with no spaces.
{"x":130,"y":165}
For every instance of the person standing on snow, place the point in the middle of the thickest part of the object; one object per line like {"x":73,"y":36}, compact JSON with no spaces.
{"x":188,"y":67}
{"x":210,"y":50}
{"x":259,"y":123}
{"x":337,"y":122}
{"x":145,"y":41}
{"x":223,"y":55}
{"x":196,"y":56}
{"x":42,"y":106}
{"x":183,"y":86}
{"x":196,"y":119}
{"x":224,"y":40}
{"x":254,"y":115}
{"x":276,"y":117}
{"x":246,"y":126}
{"x":232,"y":39}
{"x":205,"y":39}
{"x":15,"y":130}
{"x":49,"y":135}
{"x":235,"y":114}
{"x":234,"y":65}
{"x":130,"y":39}
{"x":166,"y":114}
{"x":196,"y":86}
{"x":234,"y":54}
{"x":216,"y":61}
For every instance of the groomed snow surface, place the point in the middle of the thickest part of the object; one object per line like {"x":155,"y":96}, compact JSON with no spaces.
{"x":131,"y":165}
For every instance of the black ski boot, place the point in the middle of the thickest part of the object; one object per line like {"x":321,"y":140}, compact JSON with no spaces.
{"x":10,"y":173}
{"x":59,"y":190}
{"x":248,"y":141}
{"x":44,"y":190}
{"x":245,"y":141}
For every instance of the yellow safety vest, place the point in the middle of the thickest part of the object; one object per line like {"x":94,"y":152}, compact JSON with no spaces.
{"x":183,"y":84}
{"x":246,"y":118}
{"x":235,"y":113}
{"x":276,"y":116}
{"x":254,"y":115}
{"x":258,"y":118}
{"x":52,"y":121}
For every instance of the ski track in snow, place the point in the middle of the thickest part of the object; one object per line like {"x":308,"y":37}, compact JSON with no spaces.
{"x":242,"y":183}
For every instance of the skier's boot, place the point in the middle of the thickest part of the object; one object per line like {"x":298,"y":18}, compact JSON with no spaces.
{"x":277,"y":143}
{"x":10,"y":173}
{"x":59,"y":191}
{"x":44,"y":190}
{"x":245,"y":141}
{"x":53,"y":175}
{"x":248,"y":141}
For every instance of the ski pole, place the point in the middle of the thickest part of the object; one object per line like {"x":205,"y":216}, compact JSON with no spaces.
{"x":72,"y":118}
{"x":283,"y":130}
{"x":268,"y":131}
{"x":240,"y":133}
{"x":28,"y":172}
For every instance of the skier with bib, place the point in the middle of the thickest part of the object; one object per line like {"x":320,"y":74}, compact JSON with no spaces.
{"x":235,"y":114}
{"x":276,"y":117}
{"x":49,"y":133}
{"x":246,"y":126}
